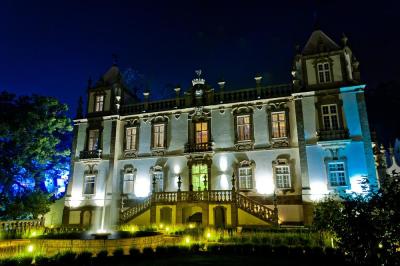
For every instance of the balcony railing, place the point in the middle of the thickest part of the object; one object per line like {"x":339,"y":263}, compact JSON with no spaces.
{"x":93,"y":154}
{"x":193,"y":196}
{"x":333,"y":134}
{"x":198,"y":147}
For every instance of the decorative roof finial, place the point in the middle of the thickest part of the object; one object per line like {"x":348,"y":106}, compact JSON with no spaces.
{"x":198,"y":80}
{"x":344,"y":40}
{"x":79,"y":110}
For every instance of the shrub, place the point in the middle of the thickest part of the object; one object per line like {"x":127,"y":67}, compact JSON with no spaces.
{"x":148,"y":252}
{"x":161,"y":250}
{"x":134,"y":252}
{"x":84,"y":258}
{"x":102,"y":254}
{"x":25,"y":260}
{"x":42,"y":260}
{"x":119,"y":252}
{"x":9,"y":262}
{"x":65,"y":258}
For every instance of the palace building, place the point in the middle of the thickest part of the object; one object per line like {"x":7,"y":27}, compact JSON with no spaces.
{"x":217,"y":157}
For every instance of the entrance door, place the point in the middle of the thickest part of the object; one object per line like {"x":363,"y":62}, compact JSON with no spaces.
{"x":219,"y":217}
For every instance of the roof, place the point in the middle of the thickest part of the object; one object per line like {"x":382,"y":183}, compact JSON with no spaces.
{"x":319,"y":42}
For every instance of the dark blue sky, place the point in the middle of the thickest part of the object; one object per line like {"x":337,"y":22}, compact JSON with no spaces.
{"x":52,"y":47}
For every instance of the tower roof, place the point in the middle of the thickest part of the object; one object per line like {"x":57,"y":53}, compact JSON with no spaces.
{"x":112,"y":75}
{"x":319,"y":42}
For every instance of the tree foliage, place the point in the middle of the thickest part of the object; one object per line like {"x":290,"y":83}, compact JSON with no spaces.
{"x":34,"y":153}
{"x":367,"y":226}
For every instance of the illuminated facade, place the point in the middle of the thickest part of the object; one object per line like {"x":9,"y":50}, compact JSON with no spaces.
{"x":221,"y":157}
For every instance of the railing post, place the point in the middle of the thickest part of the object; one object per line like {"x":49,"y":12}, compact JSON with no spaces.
{"x":276,"y":216}
{"x":178,"y":197}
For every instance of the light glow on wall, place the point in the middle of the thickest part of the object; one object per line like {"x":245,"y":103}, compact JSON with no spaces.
{"x":223,"y":164}
{"x":357,"y":186}
{"x":265,"y":186}
{"x":223,"y":182}
{"x":319,"y":190}
{"x":177,"y":169}
{"x":142,"y":187}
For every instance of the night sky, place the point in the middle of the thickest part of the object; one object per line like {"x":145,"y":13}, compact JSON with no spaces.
{"x":53,"y":47}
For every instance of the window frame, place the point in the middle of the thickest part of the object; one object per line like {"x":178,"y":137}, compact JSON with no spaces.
{"x":99,"y":103}
{"x":159,"y":138}
{"x":201,"y":131}
{"x":324,"y":72}
{"x":131,"y":181}
{"x":248,"y":178}
{"x":244,"y":125}
{"x":279,"y":122}
{"x":330,"y":115}
{"x":85,"y":183}
{"x":200,"y":176}
{"x":245,"y":164}
{"x":344,"y":171}
{"x":283,"y":175}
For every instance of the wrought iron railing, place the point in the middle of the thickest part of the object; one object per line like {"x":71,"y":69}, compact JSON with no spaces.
{"x":198,"y":147}
{"x":93,"y":154}
{"x":332,"y":134}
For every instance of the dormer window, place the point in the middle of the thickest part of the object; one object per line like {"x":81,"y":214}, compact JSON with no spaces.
{"x":99,"y":103}
{"x":324,"y":72}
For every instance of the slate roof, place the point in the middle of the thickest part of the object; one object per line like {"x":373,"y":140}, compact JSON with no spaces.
{"x":319,"y":42}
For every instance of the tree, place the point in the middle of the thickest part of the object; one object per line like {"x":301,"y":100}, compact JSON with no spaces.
{"x":367,"y":226}
{"x":34,"y":154}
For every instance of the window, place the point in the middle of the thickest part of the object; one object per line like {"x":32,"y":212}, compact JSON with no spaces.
{"x":199,"y":175}
{"x":278,"y":120}
{"x":158,"y":135}
{"x":201,"y":133}
{"x":243,"y":128}
{"x":159,"y":179}
{"x":282,"y":175}
{"x":88,"y":188}
{"x":130,"y":138}
{"x":324,"y":73}
{"x":128,"y":184}
{"x":93,"y":143}
{"x":330,"y":117}
{"x":336,"y":173}
{"x":245,"y":178}
{"x":99,"y":104}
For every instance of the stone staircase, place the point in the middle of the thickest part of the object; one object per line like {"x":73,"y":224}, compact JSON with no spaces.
{"x":243,"y":202}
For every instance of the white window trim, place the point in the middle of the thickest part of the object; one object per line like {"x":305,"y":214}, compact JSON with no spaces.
{"x":131,"y":180}
{"x":346,"y":181}
{"x":247,"y":176}
{"x":324,"y":72}
{"x":330,"y":115}
{"x":85,"y":182}
{"x":91,"y":145}
{"x":289,"y":175}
